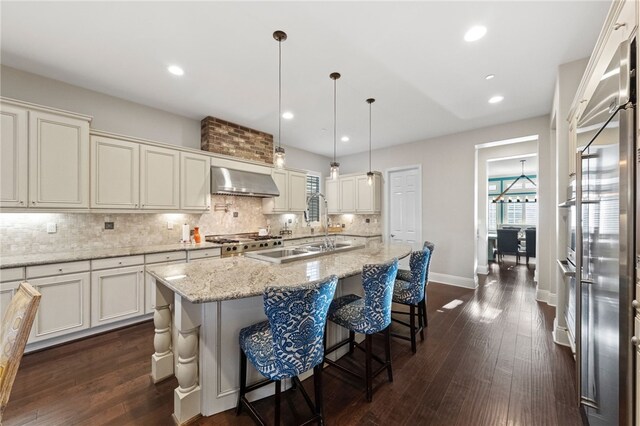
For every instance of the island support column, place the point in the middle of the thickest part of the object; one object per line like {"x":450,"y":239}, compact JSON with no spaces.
{"x":162,"y":359}
{"x":186,"y":397}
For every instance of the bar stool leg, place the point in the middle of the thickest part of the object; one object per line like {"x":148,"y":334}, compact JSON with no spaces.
{"x":277,"y":413}
{"x":317,"y":384}
{"x":243,"y":381}
{"x":420,"y":323}
{"x":387,"y":351}
{"x":424,"y":309}
{"x":368,"y":378}
{"x":352,"y":341}
{"x":412,"y":328}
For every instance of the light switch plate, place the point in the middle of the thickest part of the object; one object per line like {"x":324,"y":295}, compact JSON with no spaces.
{"x":52,"y":228}
{"x":169,"y":225}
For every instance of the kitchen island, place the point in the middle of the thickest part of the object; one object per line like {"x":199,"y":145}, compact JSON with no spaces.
{"x":201,"y":307}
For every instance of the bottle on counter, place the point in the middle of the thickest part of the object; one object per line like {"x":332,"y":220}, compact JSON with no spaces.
{"x":196,"y":235}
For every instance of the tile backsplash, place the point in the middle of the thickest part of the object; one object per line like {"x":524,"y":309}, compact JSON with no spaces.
{"x":26,"y":233}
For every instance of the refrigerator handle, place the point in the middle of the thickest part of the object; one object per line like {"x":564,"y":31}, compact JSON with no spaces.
{"x":579,"y":277}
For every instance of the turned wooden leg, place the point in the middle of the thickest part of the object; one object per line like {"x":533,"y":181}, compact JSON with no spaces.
{"x":186,"y":398}
{"x":162,"y":359}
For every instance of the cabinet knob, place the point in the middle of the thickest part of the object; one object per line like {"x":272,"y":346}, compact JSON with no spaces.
{"x":135,"y":205}
{"x":33,"y":202}
{"x":635,"y":304}
{"x":21,"y":202}
{"x":60,"y":269}
{"x":119,"y":263}
{"x":392,"y":235}
{"x":635,"y":341}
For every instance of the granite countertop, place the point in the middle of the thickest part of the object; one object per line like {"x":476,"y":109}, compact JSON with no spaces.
{"x":321,"y":234}
{"x":239,"y":277}
{"x":101,"y":253}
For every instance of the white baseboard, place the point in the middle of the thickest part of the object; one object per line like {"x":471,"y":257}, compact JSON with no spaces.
{"x":542,"y":295}
{"x":452,"y":280}
{"x":553,"y":299}
{"x":482,"y":270}
{"x":560,"y":334}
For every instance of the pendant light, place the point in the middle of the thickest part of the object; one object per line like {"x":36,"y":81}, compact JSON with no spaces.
{"x":278,"y":156}
{"x":500,"y":198}
{"x":335,"y":166}
{"x":370,"y":173}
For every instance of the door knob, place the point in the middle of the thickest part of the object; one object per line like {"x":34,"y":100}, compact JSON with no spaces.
{"x":635,"y":304}
{"x":392,"y":235}
{"x":635,"y":341}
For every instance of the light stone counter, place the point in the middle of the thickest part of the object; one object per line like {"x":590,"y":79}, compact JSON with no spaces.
{"x":239,"y":277}
{"x":102,"y":253}
{"x":331,"y":234}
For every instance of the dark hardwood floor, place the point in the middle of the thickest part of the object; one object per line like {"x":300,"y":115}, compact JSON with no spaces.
{"x":488,"y":359}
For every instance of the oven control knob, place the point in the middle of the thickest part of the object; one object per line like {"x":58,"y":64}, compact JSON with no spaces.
{"x":235,"y":248}
{"x":279,"y":243}
{"x":228,"y":248}
{"x":261,"y":245}
{"x":246,"y":247}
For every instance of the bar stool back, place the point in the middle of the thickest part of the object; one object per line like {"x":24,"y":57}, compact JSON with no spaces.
{"x":367,"y":315}
{"x":289,"y":343}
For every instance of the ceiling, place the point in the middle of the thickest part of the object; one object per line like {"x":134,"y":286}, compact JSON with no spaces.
{"x":410,"y":56}
{"x":512,"y":166}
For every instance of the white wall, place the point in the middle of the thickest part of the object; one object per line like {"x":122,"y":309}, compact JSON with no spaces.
{"x":448,"y":176}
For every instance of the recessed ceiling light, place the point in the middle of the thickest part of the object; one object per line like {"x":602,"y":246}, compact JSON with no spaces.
{"x":489,"y":77}
{"x":345,"y":139}
{"x":496,"y":99}
{"x":175,"y":70}
{"x":475,"y":33}
{"x":287,"y":115}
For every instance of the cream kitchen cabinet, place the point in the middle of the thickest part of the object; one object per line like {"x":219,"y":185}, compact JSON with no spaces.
{"x":293,"y":193}
{"x":115,"y":173}
{"x":195,"y":181}
{"x":14,"y":156}
{"x":159,"y":178}
{"x":117,"y":294}
{"x":65,"y":304}
{"x":352,"y":194}
{"x":44,"y":155}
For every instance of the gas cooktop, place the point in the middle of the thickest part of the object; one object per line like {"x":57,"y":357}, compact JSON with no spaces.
{"x":239,"y":243}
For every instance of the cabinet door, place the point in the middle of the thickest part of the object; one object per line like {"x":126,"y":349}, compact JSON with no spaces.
{"x":114,"y":173}
{"x":116,"y":294}
{"x":347,"y":195}
{"x":58,"y":161}
{"x":281,"y":203}
{"x":159,"y":178}
{"x":364,"y":195}
{"x":195,"y":181}
{"x":7,"y":290}
{"x":13,"y":156}
{"x":333,"y":199}
{"x":64,"y":306}
{"x":297,"y":191}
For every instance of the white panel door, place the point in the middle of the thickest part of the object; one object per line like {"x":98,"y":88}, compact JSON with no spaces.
{"x":404,"y":207}
{"x":195,"y":181}
{"x":159,"y":178}
{"x":348,"y":194}
{"x":115,"y":173}
{"x":117,"y":294}
{"x":58,"y":161}
{"x":13,"y":156}
{"x":333,"y":196}
{"x":64,"y":306}
{"x":297,"y":192}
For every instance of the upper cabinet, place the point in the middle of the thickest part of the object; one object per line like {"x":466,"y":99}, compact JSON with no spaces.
{"x":45,"y":157}
{"x":115,"y":173}
{"x":195,"y":181}
{"x":13,"y":156}
{"x":353,"y":194}
{"x":293,"y":192}
{"x":159,"y":178}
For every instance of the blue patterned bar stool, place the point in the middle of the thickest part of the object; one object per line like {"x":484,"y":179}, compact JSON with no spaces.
{"x":289,"y":343}
{"x":410,"y":290}
{"x":367,"y":315}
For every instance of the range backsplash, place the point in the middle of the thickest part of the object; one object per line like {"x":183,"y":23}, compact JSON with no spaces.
{"x":26,"y":233}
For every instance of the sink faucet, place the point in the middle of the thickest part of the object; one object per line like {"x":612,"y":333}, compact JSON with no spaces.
{"x":328,"y":244}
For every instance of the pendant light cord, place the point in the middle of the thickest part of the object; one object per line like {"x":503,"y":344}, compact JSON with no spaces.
{"x":369,"y":136}
{"x":335,"y":126}
{"x":279,"y":90}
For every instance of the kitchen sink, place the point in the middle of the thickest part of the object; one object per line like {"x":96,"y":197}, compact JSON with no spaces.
{"x":290,"y":254}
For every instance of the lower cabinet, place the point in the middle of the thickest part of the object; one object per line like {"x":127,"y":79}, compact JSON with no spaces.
{"x":64,"y":307}
{"x":117,"y":294}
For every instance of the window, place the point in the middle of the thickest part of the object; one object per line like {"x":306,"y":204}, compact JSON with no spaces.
{"x":531,"y":213}
{"x":492,"y":218}
{"x":514,"y":214}
{"x":313,"y":186}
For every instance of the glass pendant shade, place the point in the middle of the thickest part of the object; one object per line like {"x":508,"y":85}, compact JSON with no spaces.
{"x":370,"y":178}
{"x":335,"y":170}
{"x":278,"y":157}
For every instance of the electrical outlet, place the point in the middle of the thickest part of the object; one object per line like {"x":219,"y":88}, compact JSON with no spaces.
{"x":52,"y":228}
{"x":169,"y":225}
{"x":109,"y":225}
{"x":367,"y":220}
{"x":289,"y":221}
{"x":235,"y":214}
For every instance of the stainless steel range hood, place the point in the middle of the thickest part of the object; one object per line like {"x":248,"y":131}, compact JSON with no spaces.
{"x":240,"y":182}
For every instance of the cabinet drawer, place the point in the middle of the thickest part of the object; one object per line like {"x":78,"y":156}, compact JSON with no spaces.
{"x":204,"y":254}
{"x":11,"y":274}
{"x":57,"y":269}
{"x":165,"y":257}
{"x":117,"y":262}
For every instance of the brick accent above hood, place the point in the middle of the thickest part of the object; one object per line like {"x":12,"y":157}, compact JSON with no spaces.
{"x":223,"y":137}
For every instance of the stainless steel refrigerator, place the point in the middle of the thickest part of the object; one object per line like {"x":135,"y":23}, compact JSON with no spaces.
{"x":606,"y":247}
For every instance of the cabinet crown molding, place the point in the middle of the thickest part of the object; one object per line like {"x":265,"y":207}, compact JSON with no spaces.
{"x":57,"y":111}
